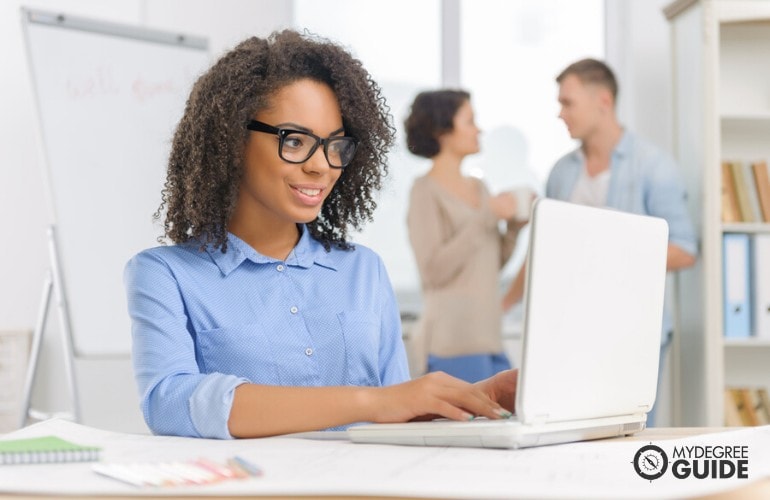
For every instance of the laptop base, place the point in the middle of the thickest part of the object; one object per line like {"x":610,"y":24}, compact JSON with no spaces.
{"x":483,"y":433}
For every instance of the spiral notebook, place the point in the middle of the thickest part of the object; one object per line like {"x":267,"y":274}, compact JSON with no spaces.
{"x":46,"y":449}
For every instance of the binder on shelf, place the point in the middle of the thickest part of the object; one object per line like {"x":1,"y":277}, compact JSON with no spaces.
{"x":761,"y":263}
{"x":732,"y":413}
{"x":740,"y":405}
{"x":730,"y":210}
{"x":752,"y":190}
{"x":736,"y":291}
{"x":743,"y":403}
{"x":745,"y":207}
{"x":742,"y":192}
{"x":764,"y":401}
{"x":762,"y":180}
{"x":752,"y":399}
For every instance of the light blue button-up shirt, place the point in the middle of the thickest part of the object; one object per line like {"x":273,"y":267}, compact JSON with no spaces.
{"x":643,"y":180}
{"x":204,"y":322}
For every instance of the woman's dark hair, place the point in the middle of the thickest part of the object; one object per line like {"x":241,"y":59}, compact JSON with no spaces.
{"x":432,"y":115}
{"x":206,"y":162}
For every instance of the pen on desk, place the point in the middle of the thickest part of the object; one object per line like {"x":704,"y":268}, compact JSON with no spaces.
{"x":238,"y":471}
{"x":247,"y":466}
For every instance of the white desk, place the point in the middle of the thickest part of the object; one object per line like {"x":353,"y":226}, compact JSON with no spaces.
{"x":307,"y":468}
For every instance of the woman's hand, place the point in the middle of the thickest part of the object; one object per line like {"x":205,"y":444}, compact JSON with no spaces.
{"x":501,"y":388}
{"x":440,"y":395}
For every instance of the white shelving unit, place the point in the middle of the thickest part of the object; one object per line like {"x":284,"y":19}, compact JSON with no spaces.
{"x":721,"y":55}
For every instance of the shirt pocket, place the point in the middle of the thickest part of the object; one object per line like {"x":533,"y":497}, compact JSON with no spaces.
{"x":361,"y":332}
{"x":241,"y":350}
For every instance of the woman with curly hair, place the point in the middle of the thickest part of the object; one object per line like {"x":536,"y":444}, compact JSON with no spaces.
{"x":263,"y":318}
{"x":459,"y":249}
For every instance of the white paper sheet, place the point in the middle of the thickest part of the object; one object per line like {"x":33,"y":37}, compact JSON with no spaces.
{"x":301,"y":466}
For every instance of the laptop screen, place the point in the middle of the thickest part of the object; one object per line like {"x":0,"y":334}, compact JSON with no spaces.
{"x":593,"y":309}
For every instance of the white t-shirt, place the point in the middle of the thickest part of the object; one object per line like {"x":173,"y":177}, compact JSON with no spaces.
{"x":591,"y":191}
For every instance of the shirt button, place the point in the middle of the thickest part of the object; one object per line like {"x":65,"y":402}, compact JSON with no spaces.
{"x":279,"y":267}
{"x":294,"y":309}
{"x":309,"y":351}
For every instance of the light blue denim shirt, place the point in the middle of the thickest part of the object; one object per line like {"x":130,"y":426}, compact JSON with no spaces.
{"x":204,"y":322}
{"x":643,"y":180}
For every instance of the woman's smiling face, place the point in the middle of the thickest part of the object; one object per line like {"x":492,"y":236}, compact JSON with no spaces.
{"x":274,"y":191}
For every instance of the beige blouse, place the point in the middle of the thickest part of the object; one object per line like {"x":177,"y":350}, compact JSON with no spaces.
{"x":459,"y":251}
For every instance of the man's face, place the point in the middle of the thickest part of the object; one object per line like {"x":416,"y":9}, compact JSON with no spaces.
{"x":582,"y":106}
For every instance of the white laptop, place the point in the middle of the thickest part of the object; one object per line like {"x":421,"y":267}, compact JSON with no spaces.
{"x":593,"y":310}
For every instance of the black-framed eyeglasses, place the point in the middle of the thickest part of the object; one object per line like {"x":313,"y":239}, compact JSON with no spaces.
{"x":297,"y":146}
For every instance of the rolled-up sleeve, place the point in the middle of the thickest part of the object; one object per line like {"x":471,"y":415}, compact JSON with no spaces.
{"x":176,"y":398}
{"x":667,"y":198}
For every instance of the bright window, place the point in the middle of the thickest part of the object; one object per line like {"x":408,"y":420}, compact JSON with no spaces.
{"x":399,"y":42}
{"x":511,"y":51}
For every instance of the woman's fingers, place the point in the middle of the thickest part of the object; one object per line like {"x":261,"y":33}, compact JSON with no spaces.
{"x":463,"y":396}
{"x":440,"y":395}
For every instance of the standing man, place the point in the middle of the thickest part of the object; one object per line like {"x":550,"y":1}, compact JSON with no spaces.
{"x":615,"y":168}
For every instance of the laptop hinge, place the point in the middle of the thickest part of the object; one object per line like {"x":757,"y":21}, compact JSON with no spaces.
{"x":540,"y":419}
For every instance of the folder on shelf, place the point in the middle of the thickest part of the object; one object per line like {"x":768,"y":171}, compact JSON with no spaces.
{"x":742,"y":192}
{"x":761,"y":263}
{"x":736,"y":285}
{"x":752,"y":190}
{"x":764,"y":401}
{"x":752,"y":399}
{"x":762,"y":180}
{"x":730,"y":210}
{"x":733,"y":417}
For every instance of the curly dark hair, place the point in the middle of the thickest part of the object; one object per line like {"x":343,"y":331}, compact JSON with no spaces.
{"x":432,"y":114}
{"x":206,"y":162}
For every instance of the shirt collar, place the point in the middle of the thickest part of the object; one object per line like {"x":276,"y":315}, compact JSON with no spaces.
{"x":621,"y":149}
{"x":307,"y":252}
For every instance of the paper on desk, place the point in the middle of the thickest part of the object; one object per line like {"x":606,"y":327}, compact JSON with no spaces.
{"x":294,"y":466}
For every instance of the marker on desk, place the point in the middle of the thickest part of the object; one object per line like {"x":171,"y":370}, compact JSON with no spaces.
{"x":247,"y":466}
{"x":221,"y":471}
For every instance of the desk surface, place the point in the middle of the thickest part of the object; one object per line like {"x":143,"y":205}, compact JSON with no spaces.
{"x":308,"y":450}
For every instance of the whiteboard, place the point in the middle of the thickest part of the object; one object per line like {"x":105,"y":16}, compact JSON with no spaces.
{"x":108,"y":99}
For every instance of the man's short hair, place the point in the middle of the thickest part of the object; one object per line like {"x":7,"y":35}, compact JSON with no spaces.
{"x":592,"y":71}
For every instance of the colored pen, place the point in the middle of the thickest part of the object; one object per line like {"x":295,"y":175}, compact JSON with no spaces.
{"x":221,"y":471}
{"x":247,"y":466}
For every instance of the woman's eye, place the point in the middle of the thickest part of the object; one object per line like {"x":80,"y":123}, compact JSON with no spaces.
{"x":293,"y":141}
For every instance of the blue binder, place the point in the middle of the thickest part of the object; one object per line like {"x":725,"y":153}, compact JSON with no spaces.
{"x":736,"y":286}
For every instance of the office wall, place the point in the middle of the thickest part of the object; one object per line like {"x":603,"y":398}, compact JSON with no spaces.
{"x":637,"y":43}
{"x":639,"y":50}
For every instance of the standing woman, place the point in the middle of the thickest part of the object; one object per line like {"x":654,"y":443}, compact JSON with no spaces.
{"x":262,"y":318}
{"x":453,"y":229}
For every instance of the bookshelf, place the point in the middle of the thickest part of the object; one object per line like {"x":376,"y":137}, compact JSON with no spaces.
{"x":721,"y":89}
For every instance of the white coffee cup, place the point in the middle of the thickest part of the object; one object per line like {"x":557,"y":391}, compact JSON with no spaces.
{"x":525,"y":197}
